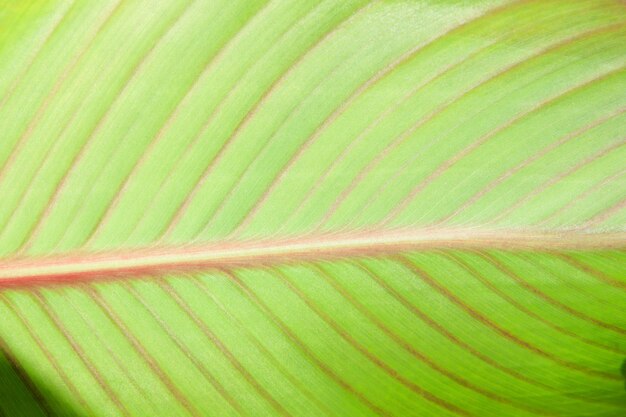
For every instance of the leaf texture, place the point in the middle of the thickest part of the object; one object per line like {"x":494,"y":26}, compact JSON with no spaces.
{"x":312,"y":208}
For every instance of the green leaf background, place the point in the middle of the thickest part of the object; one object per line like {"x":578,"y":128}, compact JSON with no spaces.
{"x":312,"y":208}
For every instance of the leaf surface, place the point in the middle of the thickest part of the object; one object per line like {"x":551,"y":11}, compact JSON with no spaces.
{"x":312,"y":208}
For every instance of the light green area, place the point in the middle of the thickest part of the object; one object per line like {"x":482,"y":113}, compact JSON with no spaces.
{"x":210,"y":120}
{"x":132,"y":123}
{"x":336,"y":338}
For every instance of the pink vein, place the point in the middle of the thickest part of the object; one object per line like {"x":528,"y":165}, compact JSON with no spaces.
{"x":480,"y":141}
{"x":77,"y":267}
{"x":541,"y":153}
{"x":182,"y":209}
{"x":405,"y":135}
{"x":20,"y":78}
{"x":363,"y":88}
{"x":208,"y":67}
{"x":604,"y":215}
{"x":348,"y":102}
{"x":55,"y":89}
{"x":81,"y":153}
{"x":581,"y":197}
{"x":560,"y":177}
{"x":223,"y":204}
{"x":192,"y":143}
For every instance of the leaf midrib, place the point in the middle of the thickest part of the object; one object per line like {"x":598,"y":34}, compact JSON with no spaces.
{"x":161,"y":260}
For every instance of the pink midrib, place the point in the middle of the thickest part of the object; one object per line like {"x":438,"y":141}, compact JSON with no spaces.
{"x":115,"y":264}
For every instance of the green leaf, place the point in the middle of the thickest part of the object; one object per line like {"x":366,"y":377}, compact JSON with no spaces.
{"x":312,"y":208}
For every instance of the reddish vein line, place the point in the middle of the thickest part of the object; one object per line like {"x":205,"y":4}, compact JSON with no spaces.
{"x":438,"y":327}
{"x":395,"y":143}
{"x":507,"y":271}
{"x":212,"y":61}
{"x":379,"y":363}
{"x":567,"y":281}
{"x":80,"y":353}
{"x":353,"y":143}
{"x":538,"y":225}
{"x":443,"y":168}
{"x":555,"y":180}
{"x":181,"y":210}
{"x":33,"y":231}
{"x":250,"y":379}
{"x":20,"y":78}
{"x":240,"y":179}
{"x":141,"y":350}
{"x":116,"y":358}
{"x":295,"y":340}
{"x":185,"y":350}
{"x":215,"y":159}
{"x":26,"y":134}
{"x":202,"y":287}
{"x":581,"y":197}
{"x":604,"y":215}
{"x":233,"y":190}
{"x":538,"y":261}
{"x":26,"y":379}
{"x":412,"y":350}
{"x":440,"y":109}
{"x":51,"y":359}
{"x":550,"y":49}
{"x":190,"y":146}
{"x":481,"y":318}
{"x":600,"y":276}
{"x":539,"y":154}
{"x":55,"y":89}
{"x":480,"y":277}
{"x":72,"y":268}
{"x":29,"y":188}
{"x":169,"y":27}
{"x":346,"y":104}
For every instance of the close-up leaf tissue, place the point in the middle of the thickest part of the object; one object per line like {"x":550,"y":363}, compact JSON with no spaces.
{"x":312,"y":208}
